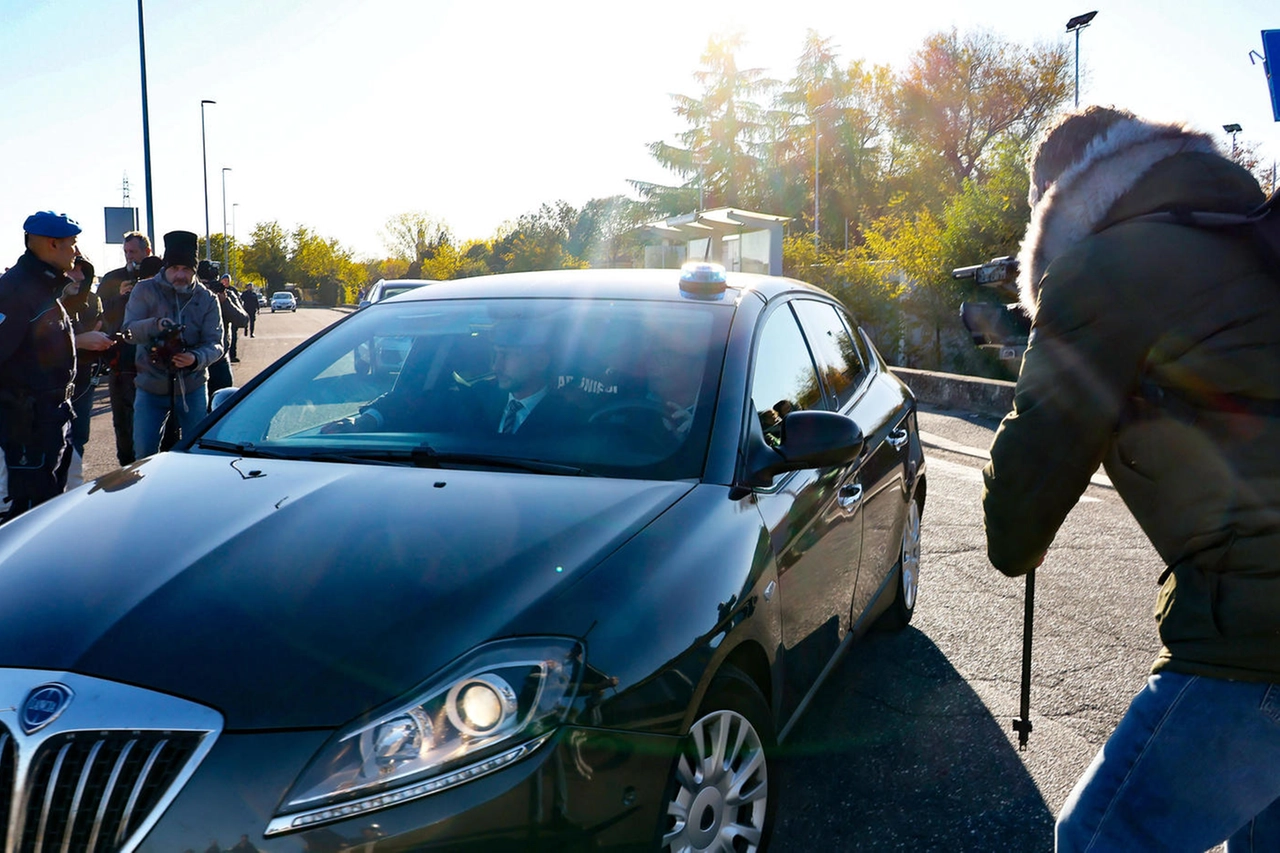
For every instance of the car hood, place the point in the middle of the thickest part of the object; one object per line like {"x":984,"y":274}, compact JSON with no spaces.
{"x":290,"y":594}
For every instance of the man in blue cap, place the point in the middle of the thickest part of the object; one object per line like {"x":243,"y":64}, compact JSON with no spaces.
{"x":37,"y":363}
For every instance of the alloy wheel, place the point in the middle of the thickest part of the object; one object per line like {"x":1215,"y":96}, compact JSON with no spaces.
{"x":722,"y":788}
{"x":911,"y":556}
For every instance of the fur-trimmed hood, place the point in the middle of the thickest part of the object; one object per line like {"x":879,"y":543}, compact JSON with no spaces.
{"x":1079,"y":201}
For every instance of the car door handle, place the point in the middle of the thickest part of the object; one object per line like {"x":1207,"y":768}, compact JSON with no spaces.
{"x":898,"y":438}
{"x":849,"y":495}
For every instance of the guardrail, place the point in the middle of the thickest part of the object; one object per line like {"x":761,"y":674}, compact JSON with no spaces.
{"x":992,"y":397}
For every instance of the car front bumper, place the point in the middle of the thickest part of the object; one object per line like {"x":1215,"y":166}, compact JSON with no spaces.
{"x":583,"y":789}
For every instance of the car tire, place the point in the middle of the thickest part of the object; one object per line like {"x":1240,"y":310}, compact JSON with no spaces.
{"x":906,"y":574}
{"x":728,"y":752}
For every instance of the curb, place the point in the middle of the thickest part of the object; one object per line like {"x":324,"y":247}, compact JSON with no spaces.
{"x":992,"y":397}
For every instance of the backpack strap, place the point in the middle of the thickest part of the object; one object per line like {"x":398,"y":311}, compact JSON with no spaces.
{"x":1262,"y":224}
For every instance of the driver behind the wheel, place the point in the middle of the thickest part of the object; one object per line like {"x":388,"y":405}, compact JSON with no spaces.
{"x":667,"y":373}
{"x":673,"y":364}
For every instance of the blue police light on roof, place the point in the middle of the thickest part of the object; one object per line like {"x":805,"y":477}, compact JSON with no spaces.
{"x":702,"y":277}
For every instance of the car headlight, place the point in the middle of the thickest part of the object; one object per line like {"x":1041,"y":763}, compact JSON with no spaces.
{"x":476,"y":716}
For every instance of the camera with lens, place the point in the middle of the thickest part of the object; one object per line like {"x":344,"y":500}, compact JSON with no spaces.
{"x":997,"y":272}
{"x":1002,"y":327}
{"x":110,"y":359}
{"x":165,"y":344}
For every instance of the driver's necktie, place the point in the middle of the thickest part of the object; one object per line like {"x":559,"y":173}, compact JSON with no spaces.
{"x":509,"y":416}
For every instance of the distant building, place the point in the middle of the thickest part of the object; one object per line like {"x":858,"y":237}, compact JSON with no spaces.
{"x":741,"y":240}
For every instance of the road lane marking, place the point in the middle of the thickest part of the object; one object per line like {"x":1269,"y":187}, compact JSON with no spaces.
{"x":928,"y":439}
{"x":970,"y":474}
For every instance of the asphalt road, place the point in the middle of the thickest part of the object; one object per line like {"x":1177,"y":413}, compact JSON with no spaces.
{"x":908,"y":746}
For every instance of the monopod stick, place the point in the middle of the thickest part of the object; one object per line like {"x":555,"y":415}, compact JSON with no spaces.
{"x":1023,"y":725}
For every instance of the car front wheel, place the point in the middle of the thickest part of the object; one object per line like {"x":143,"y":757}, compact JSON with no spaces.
{"x":899,"y":614}
{"x":721,"y":794}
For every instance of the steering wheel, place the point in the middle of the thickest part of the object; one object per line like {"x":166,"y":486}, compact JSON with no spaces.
{"x":640,"y":424}
{"x":622,"y":409}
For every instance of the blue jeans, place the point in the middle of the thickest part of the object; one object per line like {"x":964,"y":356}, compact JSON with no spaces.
{"x":1194,"y":762}
{"x":150,"y":411}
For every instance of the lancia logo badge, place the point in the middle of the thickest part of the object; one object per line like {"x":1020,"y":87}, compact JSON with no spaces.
{"x":44,"y":704}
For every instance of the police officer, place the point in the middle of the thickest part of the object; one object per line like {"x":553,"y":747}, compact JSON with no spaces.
{"x":37,"y":363}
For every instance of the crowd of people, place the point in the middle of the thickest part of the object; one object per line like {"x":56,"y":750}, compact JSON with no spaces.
{"x":161,"y":331}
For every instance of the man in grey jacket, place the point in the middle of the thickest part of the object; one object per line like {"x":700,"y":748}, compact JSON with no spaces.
{"x":177,"y":325}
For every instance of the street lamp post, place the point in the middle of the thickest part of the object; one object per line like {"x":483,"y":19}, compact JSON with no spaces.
{"x":146,"y":127}
{"x":817,"y":154}
{"x":1232,"y":129}
{"x":233,"y":229}
{"x":225,"y":169}
{"x":1075,"y":25}
{"x":204,"y":161}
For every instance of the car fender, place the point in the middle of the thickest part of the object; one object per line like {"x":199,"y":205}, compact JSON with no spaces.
{"x":664,"y":611}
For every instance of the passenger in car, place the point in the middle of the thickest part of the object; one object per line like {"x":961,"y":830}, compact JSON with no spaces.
{"x":516,"y":398}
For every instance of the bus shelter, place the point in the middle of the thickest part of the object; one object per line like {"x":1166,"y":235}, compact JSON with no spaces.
{"x":741,"y":240}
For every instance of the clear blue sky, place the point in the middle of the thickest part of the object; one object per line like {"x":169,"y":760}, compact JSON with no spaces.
{"x":339,"y":115}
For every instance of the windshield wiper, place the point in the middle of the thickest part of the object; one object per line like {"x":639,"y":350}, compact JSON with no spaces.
{"x":428,"y":457}
{"x":247,"y":449}
{"x":384,"y":456}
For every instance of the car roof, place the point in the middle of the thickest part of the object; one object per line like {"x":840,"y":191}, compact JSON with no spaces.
{"x":648,"y":284}
{"x":404,"y":282}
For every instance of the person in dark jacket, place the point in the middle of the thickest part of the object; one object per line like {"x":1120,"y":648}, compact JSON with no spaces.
{"x":85,"y":309}
{"x":1155,"y":352}
{"x":37,"y":363}
{"x":114,"y":291}
{"x":233,"y":315}
{"x":252,"y":303}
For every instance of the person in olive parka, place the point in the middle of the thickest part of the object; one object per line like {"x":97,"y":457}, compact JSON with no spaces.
{"x":1155,"y":351}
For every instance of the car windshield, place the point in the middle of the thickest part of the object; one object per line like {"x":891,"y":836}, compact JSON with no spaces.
{"x":604,"y":387}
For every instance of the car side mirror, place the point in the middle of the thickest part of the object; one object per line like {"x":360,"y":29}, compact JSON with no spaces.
{"x":809,"y":440}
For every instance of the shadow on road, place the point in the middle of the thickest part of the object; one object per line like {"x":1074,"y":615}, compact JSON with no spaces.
{"x":896,"y":752}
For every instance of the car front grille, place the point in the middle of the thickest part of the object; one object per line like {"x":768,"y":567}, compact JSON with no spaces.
{"x":90,"y":791}
{"x":69,"y":786}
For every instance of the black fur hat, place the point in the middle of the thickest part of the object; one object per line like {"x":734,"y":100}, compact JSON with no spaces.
{"x":180,"y":249}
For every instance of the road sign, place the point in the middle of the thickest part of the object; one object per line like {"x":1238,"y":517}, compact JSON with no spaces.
{"x":1271,"y":65}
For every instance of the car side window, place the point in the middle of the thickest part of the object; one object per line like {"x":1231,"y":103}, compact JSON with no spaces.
{"x":784,"y":378}
{"x":842,"y":367}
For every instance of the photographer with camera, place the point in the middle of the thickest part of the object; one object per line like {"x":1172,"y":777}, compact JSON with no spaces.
{"x":1153,"y":352}
{"x":177,"y":325}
